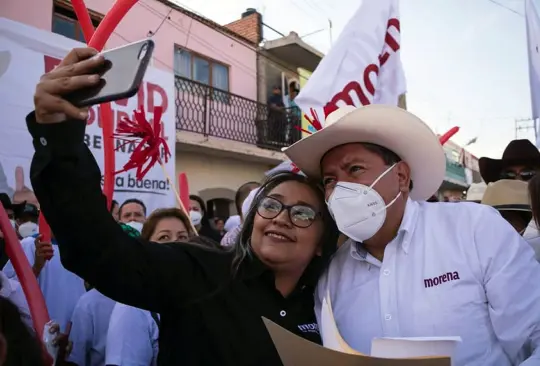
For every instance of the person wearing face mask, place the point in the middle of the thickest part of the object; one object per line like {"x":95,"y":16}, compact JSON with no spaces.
{"x":132,"y":211}
{"x":417,"y":268}
{"x":197,"y":214}
{"x":60,"y":287}
{"x":27,"y":216}
{"x":211,"y":302}
{"x":132,"y":337}
{"x":10,"y":208}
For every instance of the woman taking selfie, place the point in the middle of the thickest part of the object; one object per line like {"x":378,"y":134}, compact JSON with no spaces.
{"x":211,"y":302}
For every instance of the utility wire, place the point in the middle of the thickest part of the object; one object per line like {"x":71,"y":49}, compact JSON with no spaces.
{"x":239,"y":64}
{"x":506,"y":7}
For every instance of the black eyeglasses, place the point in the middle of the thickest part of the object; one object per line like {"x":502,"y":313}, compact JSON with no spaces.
{"x":301,"y":216}
{"x":524,"y":175}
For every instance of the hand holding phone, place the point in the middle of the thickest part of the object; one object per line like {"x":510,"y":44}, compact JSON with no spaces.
{"x":84,"y":78}
{"x":120,"y":76}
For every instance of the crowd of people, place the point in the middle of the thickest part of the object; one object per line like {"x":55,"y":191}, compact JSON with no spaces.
{"x":358,"y":226}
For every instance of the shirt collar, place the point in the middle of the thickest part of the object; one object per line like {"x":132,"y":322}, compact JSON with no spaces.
{"x":357,"y":250}
{"x":252,"y":267}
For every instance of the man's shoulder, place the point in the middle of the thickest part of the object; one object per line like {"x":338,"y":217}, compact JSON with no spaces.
{"x":457,"y":211}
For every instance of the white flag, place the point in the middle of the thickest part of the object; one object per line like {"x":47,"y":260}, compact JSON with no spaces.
{"x":363,"y":66}
{"x":533,"y":40}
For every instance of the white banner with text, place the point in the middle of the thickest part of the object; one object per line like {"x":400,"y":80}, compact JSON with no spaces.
{"x":25,"y":54}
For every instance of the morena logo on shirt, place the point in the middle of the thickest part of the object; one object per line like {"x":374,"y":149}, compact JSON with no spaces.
{"x":309,"y":328}
{"x":445,"y":277}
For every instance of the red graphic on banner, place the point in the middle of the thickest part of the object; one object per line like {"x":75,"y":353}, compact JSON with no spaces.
{"x":354,"y":90}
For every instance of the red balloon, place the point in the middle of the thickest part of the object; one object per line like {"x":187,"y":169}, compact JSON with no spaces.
{"x":448,"y":135}
{"x":183,"y":190}
{"x":32,"y":292}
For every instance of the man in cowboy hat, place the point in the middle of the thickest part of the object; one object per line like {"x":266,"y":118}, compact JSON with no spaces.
{"x":520,"y":160}
{"x":413,"y":268}
{"x":511,"y":199}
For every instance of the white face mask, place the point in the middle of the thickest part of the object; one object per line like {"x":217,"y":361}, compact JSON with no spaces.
{"x":196,"y":217}
{"x":28,"y":229}
{"x":359,"y":210}
{"x":136,"y":225}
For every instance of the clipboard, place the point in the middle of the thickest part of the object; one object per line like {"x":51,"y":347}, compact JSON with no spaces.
{"x":296,"y":351}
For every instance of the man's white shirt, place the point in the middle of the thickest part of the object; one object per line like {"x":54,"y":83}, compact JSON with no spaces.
{"x":90,"y":324}
{"x":61,"y":288}
{"x":132,"y":339}
{"x":454,"y":269}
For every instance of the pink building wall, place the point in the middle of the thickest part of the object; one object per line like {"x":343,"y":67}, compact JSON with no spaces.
{"x":147,"y":16}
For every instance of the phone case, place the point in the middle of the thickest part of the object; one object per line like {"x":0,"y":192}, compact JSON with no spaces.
{"x":122,"y":80}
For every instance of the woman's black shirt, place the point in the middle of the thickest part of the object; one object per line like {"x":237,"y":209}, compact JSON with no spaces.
{"x":208,"y":316}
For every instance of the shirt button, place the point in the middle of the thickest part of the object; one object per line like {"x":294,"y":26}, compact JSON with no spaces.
{"x":386,"y":272}
{"x":282,"y":313}
{"x":43,"y":141}
{"x":388,"y":317}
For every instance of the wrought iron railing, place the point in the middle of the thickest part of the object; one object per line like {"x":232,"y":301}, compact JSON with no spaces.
{"x":209,"y":111}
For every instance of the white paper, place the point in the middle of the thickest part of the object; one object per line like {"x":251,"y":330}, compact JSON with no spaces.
{"x":329,"y":332}
{"x":414,"y":347}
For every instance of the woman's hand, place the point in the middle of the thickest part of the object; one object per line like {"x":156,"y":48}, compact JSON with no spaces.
{"x":76,"y":71}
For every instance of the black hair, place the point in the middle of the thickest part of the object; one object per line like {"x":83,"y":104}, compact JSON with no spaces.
{"x":388,"y":156}
{"x":114,"y":203}
{"x":23,"y":346}
{"x":242,"y":193}
{"x":328,"y":241}
{"x":204,"y":220}
{"x":131,"y":200}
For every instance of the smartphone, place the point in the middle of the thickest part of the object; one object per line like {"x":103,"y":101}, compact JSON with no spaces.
{"x":121,"y":75}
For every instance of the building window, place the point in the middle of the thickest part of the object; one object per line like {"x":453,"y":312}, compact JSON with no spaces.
{"x":65,"y":22}
{"x":203,"y":70}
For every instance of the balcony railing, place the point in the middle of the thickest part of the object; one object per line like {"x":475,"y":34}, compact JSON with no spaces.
{"x":213,"y":112}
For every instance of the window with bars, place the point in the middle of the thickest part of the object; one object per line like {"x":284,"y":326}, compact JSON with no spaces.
{"x":195,"y":67}
{"x":64,"y":22}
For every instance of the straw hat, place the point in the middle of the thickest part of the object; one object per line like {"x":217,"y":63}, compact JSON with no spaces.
{"x":507,"y":195}
{"x":388,"y":126}
{"x":476,"y":192}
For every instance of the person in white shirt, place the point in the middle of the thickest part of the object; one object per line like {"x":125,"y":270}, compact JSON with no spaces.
{"x":132,"y":338}
{"x":243,"y":200}
{"x":90,"y":323}
{"x":12,"y":290}
{"x":61,"y":288}
{"x":413,"y":268}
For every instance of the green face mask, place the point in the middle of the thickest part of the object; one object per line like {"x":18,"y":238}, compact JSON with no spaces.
{"x":130,"y":231}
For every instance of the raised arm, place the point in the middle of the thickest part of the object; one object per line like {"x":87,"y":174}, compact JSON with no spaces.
{"x":66,"y":180}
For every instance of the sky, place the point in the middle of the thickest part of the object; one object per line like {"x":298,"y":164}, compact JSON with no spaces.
{"x":465,"y":60}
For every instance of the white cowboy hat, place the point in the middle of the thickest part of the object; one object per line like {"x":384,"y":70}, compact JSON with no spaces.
{"x":391,"y":127}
